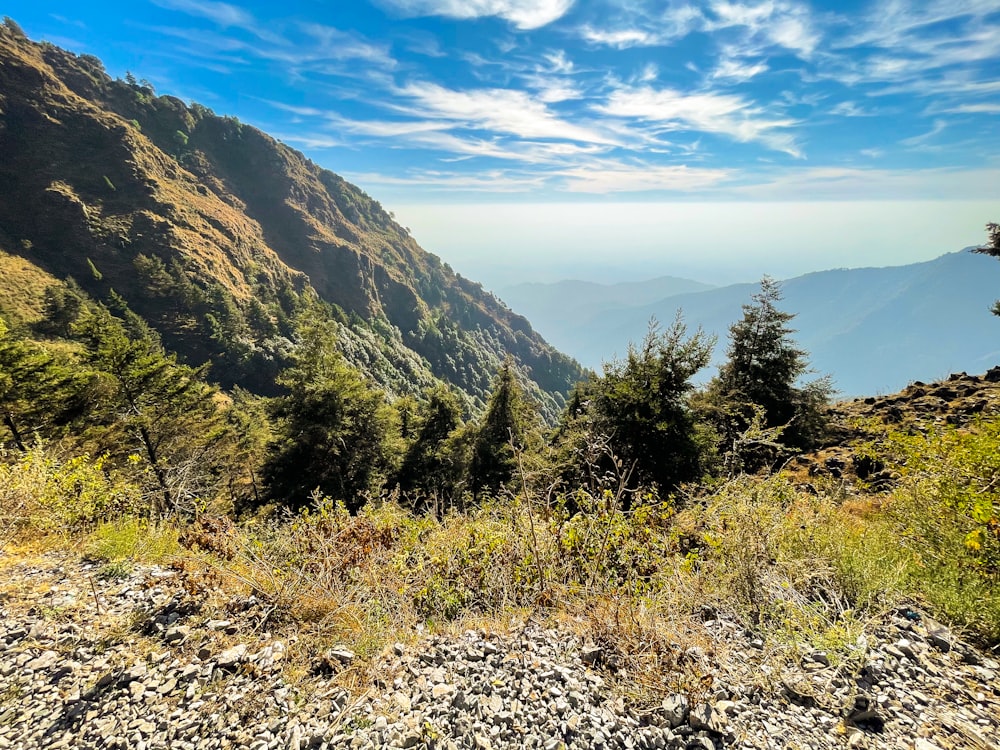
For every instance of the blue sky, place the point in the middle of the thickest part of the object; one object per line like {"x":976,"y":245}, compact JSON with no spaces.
{"x":441,"y":106}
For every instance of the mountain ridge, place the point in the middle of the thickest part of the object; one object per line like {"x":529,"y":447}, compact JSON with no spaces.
{"x":166,"y":203}
{"x":905,"y":316}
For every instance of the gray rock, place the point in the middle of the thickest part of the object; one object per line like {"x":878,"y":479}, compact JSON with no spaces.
{"x":231,"y":658}
{"x":675,"y":710}
{"x":705,"y":717}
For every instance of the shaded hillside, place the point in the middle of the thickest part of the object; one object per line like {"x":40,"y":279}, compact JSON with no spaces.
{"x":219,"y":235}
{"x":873,"y":329}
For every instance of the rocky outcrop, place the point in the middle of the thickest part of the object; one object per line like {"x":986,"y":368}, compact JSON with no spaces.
{"x":954,"y":402}
{"x":88,"y":660}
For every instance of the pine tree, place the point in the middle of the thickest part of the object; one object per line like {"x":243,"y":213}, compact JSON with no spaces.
{"x":333,"y":430}
{"x":764,"y":367}
{"x":161,"y":410}
{"x":992,"y":248}
{"x":39,"y":391}
{"x":505,"y":427}
{"x":640,"y":406}
{"x":431,"y":469}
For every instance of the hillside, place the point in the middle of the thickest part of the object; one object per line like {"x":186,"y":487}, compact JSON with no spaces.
{"x":872,"y":329}
{"x":187,"y":215}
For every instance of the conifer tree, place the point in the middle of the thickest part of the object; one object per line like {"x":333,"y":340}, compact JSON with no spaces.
{"x":764,"y":367}
{"x":431,"y":467}
{"x":153,"y":407}
{"x":992,"y":248}
{"x":640,"y":405}
{"x":39,"y":391}
{"x":333,"y":430}
{"x":505,"y":427}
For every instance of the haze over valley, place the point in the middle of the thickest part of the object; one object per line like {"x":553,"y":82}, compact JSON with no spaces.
{"x":874,"y":330}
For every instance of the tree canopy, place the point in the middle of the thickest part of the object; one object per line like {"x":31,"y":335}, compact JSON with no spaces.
{"x":992,"y":248}
{"x":763,"y":369}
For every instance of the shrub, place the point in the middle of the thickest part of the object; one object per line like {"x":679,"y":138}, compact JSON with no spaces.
{"x":42,"y":493}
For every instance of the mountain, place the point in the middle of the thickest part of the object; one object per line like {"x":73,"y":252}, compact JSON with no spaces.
{"x":564,"y":304}
{"x":218,"y":235}
{"x":873,"y":329}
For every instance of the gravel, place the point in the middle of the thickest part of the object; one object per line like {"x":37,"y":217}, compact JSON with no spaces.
{"x":72,"y":675}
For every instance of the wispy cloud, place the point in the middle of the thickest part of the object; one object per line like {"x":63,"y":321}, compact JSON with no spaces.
{"x":974,"y":109}
{"x":732,"y":69}
{"x":523,"y":14}
{"x":332,"y":43}
{"x":617,"y":177}
{"x":758,"y":26}
{"x":221,"y":14}
{"x":840,"y":183}
{"x":510,"y":111}
{"x":924,"y":138}
{"x":902,"y":42}
{"x":492,"y":181}
{"x":620,"y":38}
{"x":619,"y":96}
{"x":849,"y":109}
{"x":725,"y":114}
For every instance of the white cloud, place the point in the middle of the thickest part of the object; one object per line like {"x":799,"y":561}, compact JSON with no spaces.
{"x":616,"y":177}
{"x":769,"y":23}
{"x":523,"y":14}
{"x":222,"y":14}
{"x":842,"y":183}
{"x":924,"y":138}
{"x":342,"y":45}
{"x":975,"y":109}
{"x":493,"y":181}
{"x":620,"y":38}
{"x":501,"y":110}
{"x":908,"y":43}
{"x":559,"y":62}
{"x":648,"y":74}
{"x":552,"y":92}
{"x":749,"y":29}
{"x":849,"y":109}
{"x":284,"y":44}
{"x":727,"y":114}
{"x":735,"y":70}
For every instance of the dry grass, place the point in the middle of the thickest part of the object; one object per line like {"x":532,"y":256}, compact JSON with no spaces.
{"x":658,"y":588}
{"x":22,"y":289}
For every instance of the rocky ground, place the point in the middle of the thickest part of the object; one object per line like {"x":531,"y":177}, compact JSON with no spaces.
{"x":141,"y":661}
{"x":949,"y":403}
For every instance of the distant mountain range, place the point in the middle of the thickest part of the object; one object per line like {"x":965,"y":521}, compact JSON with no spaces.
{"x":873,"y":329}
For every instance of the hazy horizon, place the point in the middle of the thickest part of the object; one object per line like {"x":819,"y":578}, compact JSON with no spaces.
{"x":715,"y":243}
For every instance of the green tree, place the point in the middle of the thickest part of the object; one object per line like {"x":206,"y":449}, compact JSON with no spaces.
{"x":640,"y":406}
{"x":154,"y":408}
{"x":62,"y":307}
{"x":250,"y":426}
{"x":39,"y":391}
{"x":334,"y":432}
{"x":992,"y":248}
{"x":432,"y":468}
{"x":763,"y":368}
{"x":507,"y":425}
